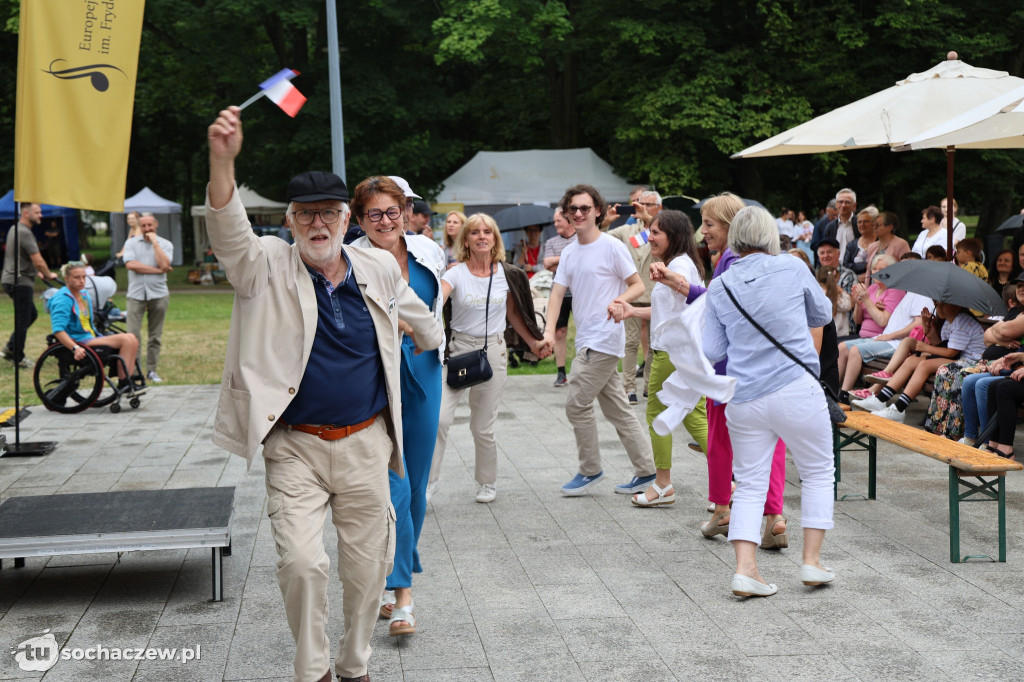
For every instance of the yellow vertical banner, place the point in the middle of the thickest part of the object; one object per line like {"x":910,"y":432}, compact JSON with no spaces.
{"x":77,"y":63}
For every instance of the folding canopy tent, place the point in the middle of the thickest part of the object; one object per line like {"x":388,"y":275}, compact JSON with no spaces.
{"x":9,"y":215}
{"x":491,"y":181}
{"x":166,"y":212}
{"x":261,"y":211}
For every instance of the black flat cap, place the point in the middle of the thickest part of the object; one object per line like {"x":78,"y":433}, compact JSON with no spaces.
{"x":317,"y":186}
{"x":829,"y":242}
{"x":423,"y":207}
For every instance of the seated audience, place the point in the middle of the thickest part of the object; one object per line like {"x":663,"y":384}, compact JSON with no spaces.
{"x":874,"y":304}
{"x":961,"y":337}
{"x":1004,"y":271}
{"x":935,"y":252}
{"x":887,"y":242}
{"x":842,"y":304}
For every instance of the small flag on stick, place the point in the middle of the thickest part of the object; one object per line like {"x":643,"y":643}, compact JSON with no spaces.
{"x":639,"y":239}
{"x":280,"y":91}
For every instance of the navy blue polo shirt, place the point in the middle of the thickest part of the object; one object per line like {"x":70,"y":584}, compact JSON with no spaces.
{"x":344,"y":379}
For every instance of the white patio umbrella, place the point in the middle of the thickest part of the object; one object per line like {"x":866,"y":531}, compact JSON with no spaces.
{"x":893,"y":116}
{"x":995,"y":124}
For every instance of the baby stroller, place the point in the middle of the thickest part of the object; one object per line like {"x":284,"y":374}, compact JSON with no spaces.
{"x":67,"y":385}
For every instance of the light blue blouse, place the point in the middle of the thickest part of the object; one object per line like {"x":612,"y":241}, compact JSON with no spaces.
{"x":783,"y":297}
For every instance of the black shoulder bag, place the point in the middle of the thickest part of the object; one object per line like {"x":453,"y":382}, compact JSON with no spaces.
{"x":470,"y":369}
{"x":835,"y":413}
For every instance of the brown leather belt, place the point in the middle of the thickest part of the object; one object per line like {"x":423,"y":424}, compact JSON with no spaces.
{"x":332,"y":431}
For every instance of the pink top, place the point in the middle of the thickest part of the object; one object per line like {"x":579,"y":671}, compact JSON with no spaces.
{"x":887,"y":299}
{"x":897,"y":247}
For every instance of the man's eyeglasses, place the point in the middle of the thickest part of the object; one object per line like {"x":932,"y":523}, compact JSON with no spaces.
{"x":305,"y":216}
{"x":376,"y":215}
{"x":649,"y":205}
{"x":582,"y":210}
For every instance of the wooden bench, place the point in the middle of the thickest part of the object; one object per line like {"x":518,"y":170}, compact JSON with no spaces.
{"x":974,"y":475}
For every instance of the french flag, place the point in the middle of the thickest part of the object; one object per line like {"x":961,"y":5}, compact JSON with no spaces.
{"x":279,"y":89}
{"x":639,"y":239}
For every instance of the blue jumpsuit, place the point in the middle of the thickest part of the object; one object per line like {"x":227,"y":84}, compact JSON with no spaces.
{"x":421,"y":404}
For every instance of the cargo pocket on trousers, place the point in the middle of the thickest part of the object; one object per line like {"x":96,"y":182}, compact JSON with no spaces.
{"x":389,"y":556}
{"x":274,"y":507}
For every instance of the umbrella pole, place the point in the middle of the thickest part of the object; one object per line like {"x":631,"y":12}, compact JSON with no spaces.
{"x":949,"y":204}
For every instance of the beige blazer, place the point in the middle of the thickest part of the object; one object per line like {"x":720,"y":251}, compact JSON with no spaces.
{"x":273,"y":323}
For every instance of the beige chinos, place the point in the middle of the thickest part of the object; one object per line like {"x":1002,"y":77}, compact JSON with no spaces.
{"x":306,"y":477}
{"x":483,"y":407}
{"x":595,"y":375}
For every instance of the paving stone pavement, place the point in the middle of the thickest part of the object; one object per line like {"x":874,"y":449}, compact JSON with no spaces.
{"x":534,"y":585}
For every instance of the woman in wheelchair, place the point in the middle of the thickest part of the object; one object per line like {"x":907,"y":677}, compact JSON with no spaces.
{"x":71,"y":318}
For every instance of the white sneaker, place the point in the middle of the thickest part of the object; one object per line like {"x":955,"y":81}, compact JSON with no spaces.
{"x":871,"y":404}
{"x":486,"y":493}
{"x":154,"y":377}
{"x":891,"y":413}
{"x":432,"y":489}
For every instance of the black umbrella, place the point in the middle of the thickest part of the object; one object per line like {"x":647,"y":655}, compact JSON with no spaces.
{"x":746,"y":202}
{"x":523,"y":215}
{"x":1013,"y":223}
{"x":943,"y":282}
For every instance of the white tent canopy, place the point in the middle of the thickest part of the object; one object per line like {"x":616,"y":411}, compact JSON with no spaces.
{"x":533,"y":176}
{"x":166,"y":212}
{"x":261,"y":211}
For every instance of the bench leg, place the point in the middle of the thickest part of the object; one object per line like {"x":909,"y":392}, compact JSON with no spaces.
{"x":954,"y":516}
{"x":837,"y":453}
{"x":872,"y":462}
{"x":218,"y":574}
{"x":1002,"y":519}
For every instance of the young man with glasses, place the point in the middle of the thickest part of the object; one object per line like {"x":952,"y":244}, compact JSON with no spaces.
{"x":599,"y":271}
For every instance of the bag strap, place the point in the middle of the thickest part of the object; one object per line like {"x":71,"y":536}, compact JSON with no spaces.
{"x":775,"y":343}
{"x":487,"y":302}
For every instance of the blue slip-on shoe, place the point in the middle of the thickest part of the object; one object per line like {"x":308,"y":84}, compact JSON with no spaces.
{"x":580,"y":484}
{"x":637,"y":485}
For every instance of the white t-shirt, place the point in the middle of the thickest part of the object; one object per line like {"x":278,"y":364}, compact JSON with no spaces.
{"x":469,"y":294}
{"x":909,"y":307}
{"x":667,"y":303}
{"x":924,"y":242}
{"x":596,"y":273}
{"x":785,"y":227}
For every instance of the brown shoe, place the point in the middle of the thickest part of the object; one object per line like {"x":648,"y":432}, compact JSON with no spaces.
{"x":364,"y":678}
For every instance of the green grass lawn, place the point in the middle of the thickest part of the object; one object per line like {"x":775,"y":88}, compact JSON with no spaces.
{"x":194,"y":339}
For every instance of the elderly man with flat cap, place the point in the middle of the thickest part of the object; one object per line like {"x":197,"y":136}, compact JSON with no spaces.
{"x":312,"y":373}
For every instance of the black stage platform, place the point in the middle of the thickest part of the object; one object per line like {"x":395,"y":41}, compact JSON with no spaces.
{"x":89,"y":523}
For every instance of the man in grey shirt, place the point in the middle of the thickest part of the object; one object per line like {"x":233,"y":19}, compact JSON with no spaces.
{"x":148,"y":259}
{"x":18,"y":285}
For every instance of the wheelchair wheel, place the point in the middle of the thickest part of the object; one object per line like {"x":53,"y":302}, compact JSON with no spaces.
{"x":64,"y":384}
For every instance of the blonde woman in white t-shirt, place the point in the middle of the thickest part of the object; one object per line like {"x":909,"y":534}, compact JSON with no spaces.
{"x":676,"y":263}
{"x":480,"y":252}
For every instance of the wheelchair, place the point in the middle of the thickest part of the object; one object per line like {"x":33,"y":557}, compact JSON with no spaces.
{"x":69,"y":386}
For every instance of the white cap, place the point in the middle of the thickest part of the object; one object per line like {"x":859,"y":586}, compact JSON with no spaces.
{"x":409,"y":194}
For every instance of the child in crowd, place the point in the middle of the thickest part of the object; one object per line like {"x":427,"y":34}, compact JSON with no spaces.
{"x":968,"y":257}
{"x":935,"y":252}
{"x":961,"y":337}
{"x":828,"y":278}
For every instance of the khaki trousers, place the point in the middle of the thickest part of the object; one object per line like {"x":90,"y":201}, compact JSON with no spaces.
{"x":483,"y":407}
{"x":595,"y":375}
{"x":306,"y":477}
{"x":155,"y":310}
{"x":634,"y":332}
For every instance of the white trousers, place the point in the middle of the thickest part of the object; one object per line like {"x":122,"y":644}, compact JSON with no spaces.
{"x":484,"y":400}
{"x":798,"y":414}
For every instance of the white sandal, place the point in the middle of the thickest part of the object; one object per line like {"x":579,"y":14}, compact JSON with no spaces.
{"x":665,"y":496}
{"x":402,"y":614}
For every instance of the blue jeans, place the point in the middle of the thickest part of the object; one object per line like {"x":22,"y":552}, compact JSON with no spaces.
{"x":975,"y":399}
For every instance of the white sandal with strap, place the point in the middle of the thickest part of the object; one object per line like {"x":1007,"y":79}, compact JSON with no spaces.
{"x":402,"y":614}
{"x":387,"y":603}
{"x":665,"y":496}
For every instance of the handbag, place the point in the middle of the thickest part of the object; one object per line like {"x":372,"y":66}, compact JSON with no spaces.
{"x":835,"y":413}
{"x":472,"y":368}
